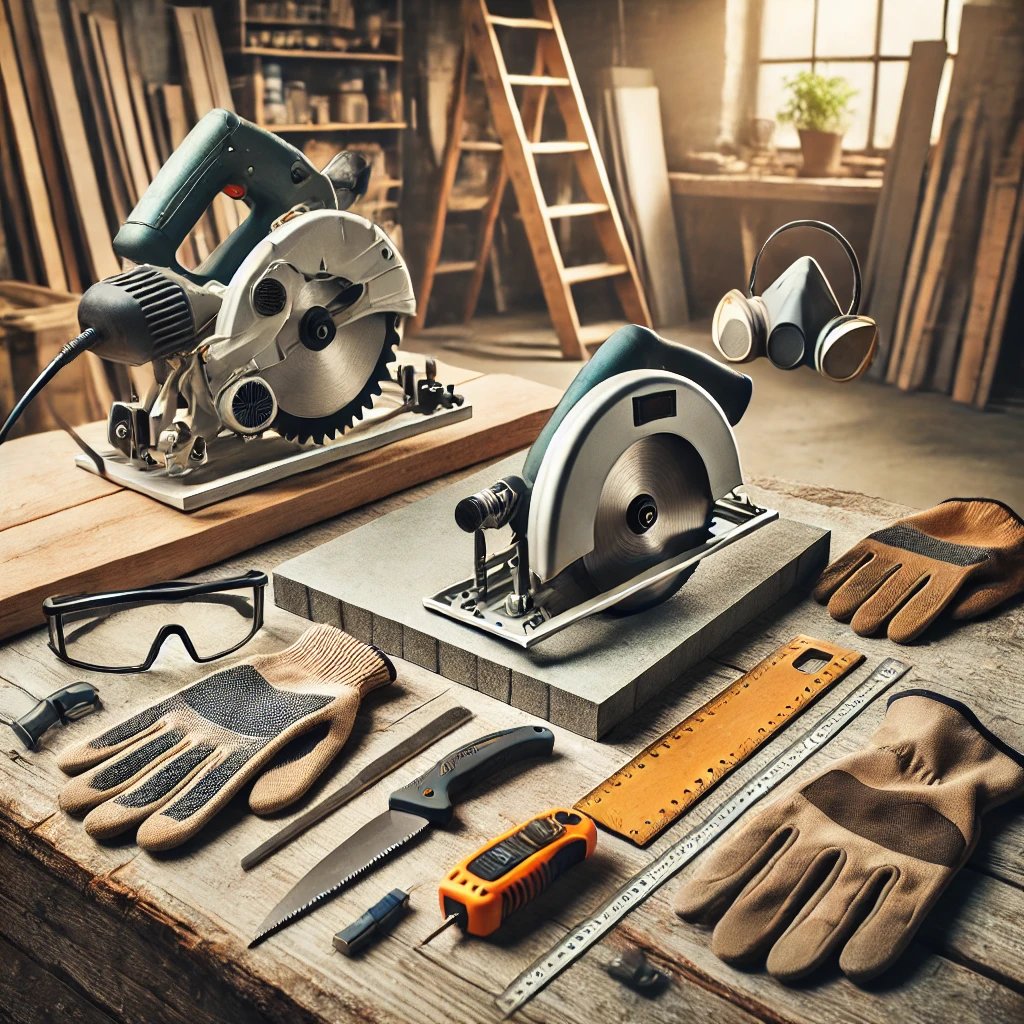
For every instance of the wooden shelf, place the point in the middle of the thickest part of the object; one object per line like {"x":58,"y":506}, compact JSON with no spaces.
{"x":268,"y":51}
{"x":335,"y":126}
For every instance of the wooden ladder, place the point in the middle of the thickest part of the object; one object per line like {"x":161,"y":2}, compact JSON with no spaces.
{"x":519,"y":128}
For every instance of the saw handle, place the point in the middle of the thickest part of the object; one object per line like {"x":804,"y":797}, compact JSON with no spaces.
{"x":431,"y":795}
{"x":223,"y":152}
{"x":637,"y":348}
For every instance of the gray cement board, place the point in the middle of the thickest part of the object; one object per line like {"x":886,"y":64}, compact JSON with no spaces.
{"x":587,"y":678}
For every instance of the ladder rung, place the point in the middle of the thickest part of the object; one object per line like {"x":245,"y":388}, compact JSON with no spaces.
{"x":467,"y":203}
{"x":455,"y":267}
{"x":480,"y":146}
{"x":548,"y":80}
{"x":592,"y":272}
{"x":559,"y":147}
{"x":498,"y":19}
{"x":576,"y":210}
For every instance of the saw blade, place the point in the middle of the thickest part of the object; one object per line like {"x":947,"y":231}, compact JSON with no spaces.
{"x":654,"y":504}
{"x":374,"y":841}
{"x":321,"y":392}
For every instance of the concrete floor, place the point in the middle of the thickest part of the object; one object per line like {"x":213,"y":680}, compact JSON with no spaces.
{"x":913,"y":448}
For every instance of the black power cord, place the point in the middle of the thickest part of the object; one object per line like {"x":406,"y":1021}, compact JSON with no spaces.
{"x":71,"y":350}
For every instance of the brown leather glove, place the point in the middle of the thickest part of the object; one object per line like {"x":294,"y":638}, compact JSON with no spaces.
{"x":967,"y":553}
{"x":170,"y":768}
{"x":856,"y":857}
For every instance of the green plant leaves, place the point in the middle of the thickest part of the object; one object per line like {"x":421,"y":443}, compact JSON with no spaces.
{"x":817,"y":103}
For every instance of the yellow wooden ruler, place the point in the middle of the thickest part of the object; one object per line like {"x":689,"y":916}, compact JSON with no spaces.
{"x":645,"y":796}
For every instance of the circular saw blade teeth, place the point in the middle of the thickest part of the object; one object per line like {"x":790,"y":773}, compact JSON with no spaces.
{"x":655,"y":504}
{"x":322,"y":429}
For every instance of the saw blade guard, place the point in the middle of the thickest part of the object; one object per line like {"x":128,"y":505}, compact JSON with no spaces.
{"x":321,"y":246}
{"x":591,"y":438}
{"x":638,"y":348}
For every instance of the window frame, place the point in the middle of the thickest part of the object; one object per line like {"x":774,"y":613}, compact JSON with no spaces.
{"x":876,"y":59}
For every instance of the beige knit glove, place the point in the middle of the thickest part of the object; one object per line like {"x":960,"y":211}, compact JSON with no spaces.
{"x":170,"y":768}
{"x":855,"y":859}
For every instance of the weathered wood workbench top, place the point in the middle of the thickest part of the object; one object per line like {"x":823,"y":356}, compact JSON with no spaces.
{"x":95,"y":933}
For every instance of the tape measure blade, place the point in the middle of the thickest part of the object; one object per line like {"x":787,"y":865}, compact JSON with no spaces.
{"x":642,"y":885}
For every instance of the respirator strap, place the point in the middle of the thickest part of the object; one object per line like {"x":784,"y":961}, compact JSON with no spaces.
{"x":828,"y":229}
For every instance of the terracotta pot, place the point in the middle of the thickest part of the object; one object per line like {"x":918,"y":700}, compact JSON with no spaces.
{"x":822,"y":153}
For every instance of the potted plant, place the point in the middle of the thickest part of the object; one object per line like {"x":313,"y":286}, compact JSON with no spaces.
{"x":820,"y":109}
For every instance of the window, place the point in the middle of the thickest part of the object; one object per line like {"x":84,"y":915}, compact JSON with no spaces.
{"x":866,"y":42}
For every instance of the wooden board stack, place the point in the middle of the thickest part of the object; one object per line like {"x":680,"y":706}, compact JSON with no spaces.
{"x":940,"y":280}
{"x":82,"y":134}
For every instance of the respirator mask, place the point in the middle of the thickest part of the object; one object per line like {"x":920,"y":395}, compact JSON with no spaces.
{"x":797,"y":319}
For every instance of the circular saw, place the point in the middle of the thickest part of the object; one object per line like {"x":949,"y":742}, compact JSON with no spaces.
{"x":632,"y":482}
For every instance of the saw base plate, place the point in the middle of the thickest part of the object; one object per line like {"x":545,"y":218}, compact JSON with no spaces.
{"x":731,"y":520}
{"x":252,"y":464}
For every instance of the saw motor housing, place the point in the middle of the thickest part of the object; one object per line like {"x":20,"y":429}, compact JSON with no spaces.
{"x":289,"y":326}
{"x":632,"y":482}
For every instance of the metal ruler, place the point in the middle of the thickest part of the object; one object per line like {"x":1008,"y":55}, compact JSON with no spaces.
{"x":677,"y":856}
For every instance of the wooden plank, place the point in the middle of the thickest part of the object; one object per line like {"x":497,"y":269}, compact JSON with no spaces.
{"x":997,"y":331}
{"x":18,"y":220}
{"x":893,"y":228}
{"x":122,"y":114}
{"x":106,"y":117}
{"x":978,"y":26}
{"x":139,"y":101}
{"x":914,"y":351}
{"x":78,"y":165}
{"x":993,"y":252}
{"x":200,"y":93}
{"x":33,"y":176}
{"x":43,"y":125}
{"x":201,"y":236}
{"x":97,"y":88}
{"x":87,"y":547}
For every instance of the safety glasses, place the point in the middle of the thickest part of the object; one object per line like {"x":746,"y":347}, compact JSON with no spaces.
{"x":123,"y":631}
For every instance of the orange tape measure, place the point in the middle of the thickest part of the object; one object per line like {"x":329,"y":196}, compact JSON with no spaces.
{"x":482,"y":890}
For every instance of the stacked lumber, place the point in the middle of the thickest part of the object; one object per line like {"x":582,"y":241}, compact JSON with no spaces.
{"x":82,"y":134}
{"x":947,"y":241}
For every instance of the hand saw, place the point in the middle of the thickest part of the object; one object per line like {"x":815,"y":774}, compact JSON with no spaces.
{"x":645,"y":796}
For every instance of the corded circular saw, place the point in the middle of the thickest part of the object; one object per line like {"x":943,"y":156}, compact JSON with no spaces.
{"x":633,"y":481}
{"x":286,"y":331}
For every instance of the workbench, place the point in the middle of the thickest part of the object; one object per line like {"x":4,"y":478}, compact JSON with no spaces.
{"x":96,"y":933}
{"x":751,"y":193}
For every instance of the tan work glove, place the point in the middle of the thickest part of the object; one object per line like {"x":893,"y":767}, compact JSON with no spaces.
{"x":855,"y":858}
{"x":967,"y":553}
{"x":170,"y":768}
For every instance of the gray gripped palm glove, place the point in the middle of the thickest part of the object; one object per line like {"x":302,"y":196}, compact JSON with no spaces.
{"x":855,"y":858}
{"x":171,"y":768}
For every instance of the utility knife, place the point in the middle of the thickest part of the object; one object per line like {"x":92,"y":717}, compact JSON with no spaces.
{"x":426,"y":801}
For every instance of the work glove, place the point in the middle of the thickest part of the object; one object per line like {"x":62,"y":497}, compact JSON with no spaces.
{"x":854,"y":859}
{"x":967,"y":554}
{"x":171,"y":768}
